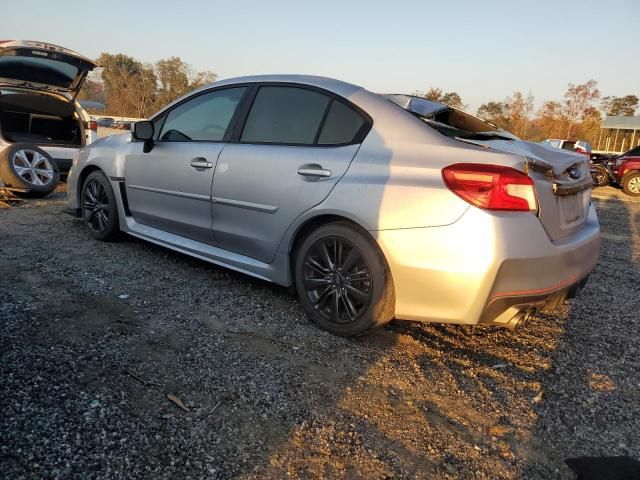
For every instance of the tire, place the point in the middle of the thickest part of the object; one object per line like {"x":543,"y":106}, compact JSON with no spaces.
{"x":99,"y":208}
{"x":600,"y":176}
{"x":343,"y":281}
{"x":631,"y":184}
{"x":30,"y":169}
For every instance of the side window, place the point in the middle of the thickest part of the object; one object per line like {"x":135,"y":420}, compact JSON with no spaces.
{"x":634,"y":153}
{"x":341,"y":125}
{"x":285,"y":115}
{"x":205,"y":117}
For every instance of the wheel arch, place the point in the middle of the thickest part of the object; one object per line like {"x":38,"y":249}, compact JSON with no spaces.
{"x":312,"y":223}
{"x":82,"y":177}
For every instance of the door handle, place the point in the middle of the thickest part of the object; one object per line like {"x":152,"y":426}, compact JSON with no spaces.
{"x":313,"y":170}
{"x":200,"y":163}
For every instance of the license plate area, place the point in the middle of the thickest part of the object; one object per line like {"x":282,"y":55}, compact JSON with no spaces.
{"x":571,"y":208}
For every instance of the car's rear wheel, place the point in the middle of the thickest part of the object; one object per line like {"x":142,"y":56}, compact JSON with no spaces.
{"x":600,"y":176}
{"x":99,"y":209}
{"x":343,"y":280}
{"x":631,"y":184}
{"x":28,"y":169}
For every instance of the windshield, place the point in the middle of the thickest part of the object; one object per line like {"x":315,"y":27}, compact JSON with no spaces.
{"x":447,"y":120}
{"x":38,"y":70}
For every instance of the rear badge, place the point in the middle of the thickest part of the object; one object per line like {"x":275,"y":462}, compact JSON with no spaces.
{"x":574,"y":173}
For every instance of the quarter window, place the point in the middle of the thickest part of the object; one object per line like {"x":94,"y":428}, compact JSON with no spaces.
{"x":285,"y":115}
{"x":205,"y":117}
{"x":341,"y":126}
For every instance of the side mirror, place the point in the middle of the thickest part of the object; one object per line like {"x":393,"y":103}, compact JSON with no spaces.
{"x":143,"y":130}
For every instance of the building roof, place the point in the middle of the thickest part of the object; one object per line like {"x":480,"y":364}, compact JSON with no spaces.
{"x":623,"y":123}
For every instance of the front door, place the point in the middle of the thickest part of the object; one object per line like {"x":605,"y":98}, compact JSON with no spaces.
{"x":169,"y":188}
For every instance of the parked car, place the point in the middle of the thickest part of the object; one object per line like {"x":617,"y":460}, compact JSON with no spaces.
{"x":622,"y":171}
{"x":41,"y":125}
{"x":107,"y":122}
{"x":579,"y":146}
{"x":627,"y":171}
{"x":122,"y":125}
{"x":373,"y":206}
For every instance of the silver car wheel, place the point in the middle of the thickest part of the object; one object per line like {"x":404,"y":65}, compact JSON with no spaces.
{"x":33,"y":167}
{"x":634,"y":185}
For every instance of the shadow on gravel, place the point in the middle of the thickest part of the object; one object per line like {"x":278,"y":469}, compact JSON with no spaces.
{"x":443,"y":401}
{"x":94,"y":337}
{"x":591,"y":401}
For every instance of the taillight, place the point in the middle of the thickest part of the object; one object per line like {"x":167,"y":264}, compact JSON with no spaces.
{"x":492,"y":187}
{"x":92,"y":125}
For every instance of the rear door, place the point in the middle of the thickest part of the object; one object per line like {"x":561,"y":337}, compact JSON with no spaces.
{"x":42,"y":66}
{"x":296,"y":143}
{"x":169,"y":188}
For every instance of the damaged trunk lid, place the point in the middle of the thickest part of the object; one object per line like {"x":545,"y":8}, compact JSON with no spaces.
{"x":42,"y":67}
{"x":562,"y":181}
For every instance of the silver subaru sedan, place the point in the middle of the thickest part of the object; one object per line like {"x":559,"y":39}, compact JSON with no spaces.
{"x":373,"y":206}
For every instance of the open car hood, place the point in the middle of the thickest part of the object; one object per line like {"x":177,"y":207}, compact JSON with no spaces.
{"x":42,"y":67}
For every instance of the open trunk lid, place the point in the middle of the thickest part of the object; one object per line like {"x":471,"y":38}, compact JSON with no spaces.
{"x":562,"y":181}
{"x":42,"y":67}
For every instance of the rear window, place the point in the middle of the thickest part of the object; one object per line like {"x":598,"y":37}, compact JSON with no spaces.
{"x":341,"y":125}
{"x":287,"y":115}
{"x":38,"y":70}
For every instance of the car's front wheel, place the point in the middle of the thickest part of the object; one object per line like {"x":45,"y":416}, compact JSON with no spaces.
{"x":99,"y":209}
{"x":631,"y":184}
{"x":343,"y":280}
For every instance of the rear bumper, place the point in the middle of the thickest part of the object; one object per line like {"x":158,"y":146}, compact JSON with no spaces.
{"x":486,"y":267}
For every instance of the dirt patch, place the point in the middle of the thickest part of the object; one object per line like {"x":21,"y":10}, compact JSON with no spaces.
{"x":96,"y":335}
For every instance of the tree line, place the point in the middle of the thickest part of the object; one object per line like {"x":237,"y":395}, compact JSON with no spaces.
{"x":130,"y":88}
{"x":577,"y":116}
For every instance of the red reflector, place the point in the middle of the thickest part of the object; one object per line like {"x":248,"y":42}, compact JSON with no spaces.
{"x":92,"y":125}
{"x":491,"y":187}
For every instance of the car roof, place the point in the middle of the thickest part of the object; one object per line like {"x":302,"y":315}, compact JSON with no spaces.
{"x":336,"y":86}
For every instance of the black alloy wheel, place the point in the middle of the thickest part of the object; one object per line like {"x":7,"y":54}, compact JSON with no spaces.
{"x":343,"y":280}
{"x":337,"y":280}
{"x":99,"y":209}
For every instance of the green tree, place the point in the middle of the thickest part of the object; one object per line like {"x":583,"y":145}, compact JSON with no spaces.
{"x":129,"y":85}
{"x":625,"y":106}
{"x":496,"y":113}
{"x":452,"y":99}
{"x":176,"y":78}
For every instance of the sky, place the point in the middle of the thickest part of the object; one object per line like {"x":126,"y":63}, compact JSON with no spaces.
{"x":484,"y":50}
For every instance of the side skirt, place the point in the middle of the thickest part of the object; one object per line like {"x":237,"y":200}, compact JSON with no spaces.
{"x":277,"y":272}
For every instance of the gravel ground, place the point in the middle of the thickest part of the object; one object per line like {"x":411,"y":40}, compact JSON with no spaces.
{"x":98,"y":338}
